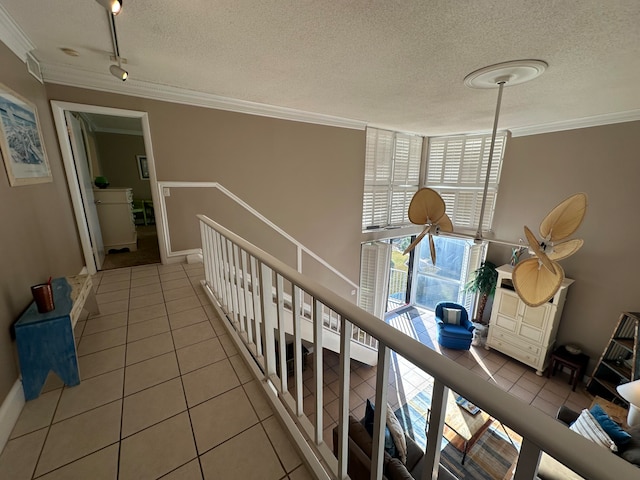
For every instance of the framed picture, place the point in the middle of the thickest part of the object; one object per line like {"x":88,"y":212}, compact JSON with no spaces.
{"x":21,"y":142}
{"x":143,"y":167}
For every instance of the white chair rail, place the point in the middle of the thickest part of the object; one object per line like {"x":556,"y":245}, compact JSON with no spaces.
{"x":262,"y":300}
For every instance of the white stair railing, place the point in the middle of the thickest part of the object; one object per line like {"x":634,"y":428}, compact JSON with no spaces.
{"x":254,"y":319}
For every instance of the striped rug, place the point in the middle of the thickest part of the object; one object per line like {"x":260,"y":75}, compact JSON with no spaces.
{"x":489,"y":458}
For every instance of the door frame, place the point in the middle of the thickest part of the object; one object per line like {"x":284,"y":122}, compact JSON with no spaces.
{"x":58,"y":108}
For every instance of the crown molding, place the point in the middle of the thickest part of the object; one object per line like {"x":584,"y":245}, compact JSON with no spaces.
{"x":74,"y":77}
{"x":13,"y":37}
{"x":585,"y":122}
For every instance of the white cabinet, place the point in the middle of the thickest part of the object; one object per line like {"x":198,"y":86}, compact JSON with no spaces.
{"x":525,"y":333}
{"x":116,"y":218}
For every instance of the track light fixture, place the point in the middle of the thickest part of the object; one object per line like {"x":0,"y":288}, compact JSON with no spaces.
{"x":118,"y":72}
{"x":113,"y":6}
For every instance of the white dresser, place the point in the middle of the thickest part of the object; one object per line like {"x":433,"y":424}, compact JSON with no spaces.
{"x":116,"y":218}
{"x":525,"y":333}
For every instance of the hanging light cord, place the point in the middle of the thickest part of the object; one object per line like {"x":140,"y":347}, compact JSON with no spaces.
{"x":491,"y":148}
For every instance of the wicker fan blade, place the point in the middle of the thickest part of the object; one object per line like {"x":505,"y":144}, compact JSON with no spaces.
{"x":565,"y":219}
{"x":565,"y":249}
{"x":533,"y":244}
{"x":426,"y":206}
{"x":432,"y":247}
{"x":445,"y":224}
{"x":535,"y":285}
{"x":417,"y":240}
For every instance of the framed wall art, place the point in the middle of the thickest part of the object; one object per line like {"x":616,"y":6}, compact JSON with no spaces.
{"x":21,"y":143}
{"x":143,"y":167}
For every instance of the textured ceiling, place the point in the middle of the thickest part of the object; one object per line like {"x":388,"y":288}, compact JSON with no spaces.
{"x":397,"y":64}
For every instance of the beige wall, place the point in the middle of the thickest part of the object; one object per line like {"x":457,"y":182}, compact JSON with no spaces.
{"x":305,"y":178}
{"x":38,"y":236}
{"x":117,"y":153}
{"x":542,"y":170}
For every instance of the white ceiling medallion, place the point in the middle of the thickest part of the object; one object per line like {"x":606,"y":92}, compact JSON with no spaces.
{"x":509,"y":73}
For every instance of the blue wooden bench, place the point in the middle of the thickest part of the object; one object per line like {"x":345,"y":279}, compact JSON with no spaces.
{"x":45,"y":341}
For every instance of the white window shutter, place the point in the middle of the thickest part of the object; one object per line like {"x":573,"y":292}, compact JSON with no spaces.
{"x":375,"y":259}
{"x":474,"y":256}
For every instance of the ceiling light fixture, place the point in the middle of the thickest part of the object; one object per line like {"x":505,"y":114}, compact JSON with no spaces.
{"x":113,"y":6}
{"x":116,"y":70}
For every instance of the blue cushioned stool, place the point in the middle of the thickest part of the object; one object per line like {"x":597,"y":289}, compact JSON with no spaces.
{"x":457,"y":337}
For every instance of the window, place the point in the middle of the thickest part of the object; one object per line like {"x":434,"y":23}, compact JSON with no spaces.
{"x":375,"y":258}
{"x":392,"y":176}
{"x":457,"y":168}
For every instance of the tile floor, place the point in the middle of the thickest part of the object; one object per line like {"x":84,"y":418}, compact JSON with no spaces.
{"x":164,"y":393}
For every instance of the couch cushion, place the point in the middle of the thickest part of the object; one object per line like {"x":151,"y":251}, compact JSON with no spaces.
{"x":451,"y":315}
{"x":587,"y":426}
{"x":617,"y":434}
{"x":395,"y":470}
{"x":397,"y":433}
{"x":631,"y":451}
{"x":389,"y":445}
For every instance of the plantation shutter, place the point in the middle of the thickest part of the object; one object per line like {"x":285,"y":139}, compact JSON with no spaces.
{"x":375,"y":259}
{"x":473,"y":258}
{"x":457,"y":167}
{"x":392,"y":176}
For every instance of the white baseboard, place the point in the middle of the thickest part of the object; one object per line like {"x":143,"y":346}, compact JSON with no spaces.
{"x":10,"y":411}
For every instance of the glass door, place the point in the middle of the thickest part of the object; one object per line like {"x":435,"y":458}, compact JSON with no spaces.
{"x":400,"y":273}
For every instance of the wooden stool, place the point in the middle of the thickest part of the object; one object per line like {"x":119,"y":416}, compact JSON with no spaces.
{"x":577,"y":364}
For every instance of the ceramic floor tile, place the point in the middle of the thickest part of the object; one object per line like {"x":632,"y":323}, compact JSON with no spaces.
{"x":241,"y":369}
{"x":210,"y":428}
{"x":190,"y":471}
{"x":79,"y":436}
{"x":145,"y":290}
{"x":89,"y":394}
{"x":120,"y":276}
{"x":228,"y":345}
{"x":176,"y":267}
{"x":166,"y":277}
{"x":191,"y":334}
{"x":258,"y":399}
{"x":171,"y":284}
{"x":182,"y":304}
{"x":147,"y":328}
{"x":107,"y":287}
{"x":151,"y":406}
{"x":102,"y":341}
{"x":178,"y":293}
{"x":119,"y":295}
{"x":144,"y":281}
{"x":105,"y":322}
{"x":208,"y":382}
{"x":187,"y":317}
{"x":114,"y":307}
{"x":19,"y":457}
{"x":144,"y":271}
{"x":150,"y":372}
{"x":36,"y":413}
{"x":146,"y":300}
{"x":101,"y":465}
{"x":229,"y":460}
{"x":149,"y":347}
{"x":147,"y":313}
{"x":282,"y":444}
{"x":101,"y":362}
{"x":53,"y":382}
{"x":200,"y":354}
{"x":157,"y":450}
{"x":300,"y":473}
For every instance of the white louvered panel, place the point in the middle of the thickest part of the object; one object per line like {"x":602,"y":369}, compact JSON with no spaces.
{"x":400,"y":199}
{"x":473,"y":258}
{"x":375,"y":207}
{"x":472,"y":172}
{"x":415,"y":161}
{"x":435,"y":162}
{"x":374,"y":277}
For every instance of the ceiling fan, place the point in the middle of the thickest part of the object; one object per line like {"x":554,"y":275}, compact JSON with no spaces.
{"x":536,"y":279}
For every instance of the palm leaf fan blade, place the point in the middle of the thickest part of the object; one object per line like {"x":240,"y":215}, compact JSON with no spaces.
{"x":417,"y":240}
{"x":534,"y":285}
{"x":533,"y":244}
{"x":564,"y":219}
{"x":565,"y":249}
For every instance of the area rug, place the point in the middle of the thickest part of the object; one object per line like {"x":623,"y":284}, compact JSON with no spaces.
{"x":489,"y":458}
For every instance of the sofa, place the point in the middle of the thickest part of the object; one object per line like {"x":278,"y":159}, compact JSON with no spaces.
{"x":551,"y":469}
{"x":360,"y":448}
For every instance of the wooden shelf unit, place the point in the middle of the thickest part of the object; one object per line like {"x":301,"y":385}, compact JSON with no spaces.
{"x":619,"y":363}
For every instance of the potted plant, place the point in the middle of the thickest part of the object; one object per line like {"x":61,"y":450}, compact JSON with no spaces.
{"x":483,"y":283}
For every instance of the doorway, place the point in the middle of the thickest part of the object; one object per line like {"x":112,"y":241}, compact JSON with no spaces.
{"x":114,"y":144}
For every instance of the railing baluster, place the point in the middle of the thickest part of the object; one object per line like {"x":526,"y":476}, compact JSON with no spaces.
{"x":436,"y":427}
{"x":233,"y":284}
{"x":227,"y":277}
{"x":318,"y":367}
{"x":268,"y":320}
{"x":257,"y":309}
{"x":380,"y":412}
{"x":239,"y":291}
{"x":245,"y":287}
{"x":344,"y":379}
{"x":528,"y":460}
{"x":282,"y":341}
{"x":296,"y":300}
{"x":220,"y":272}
